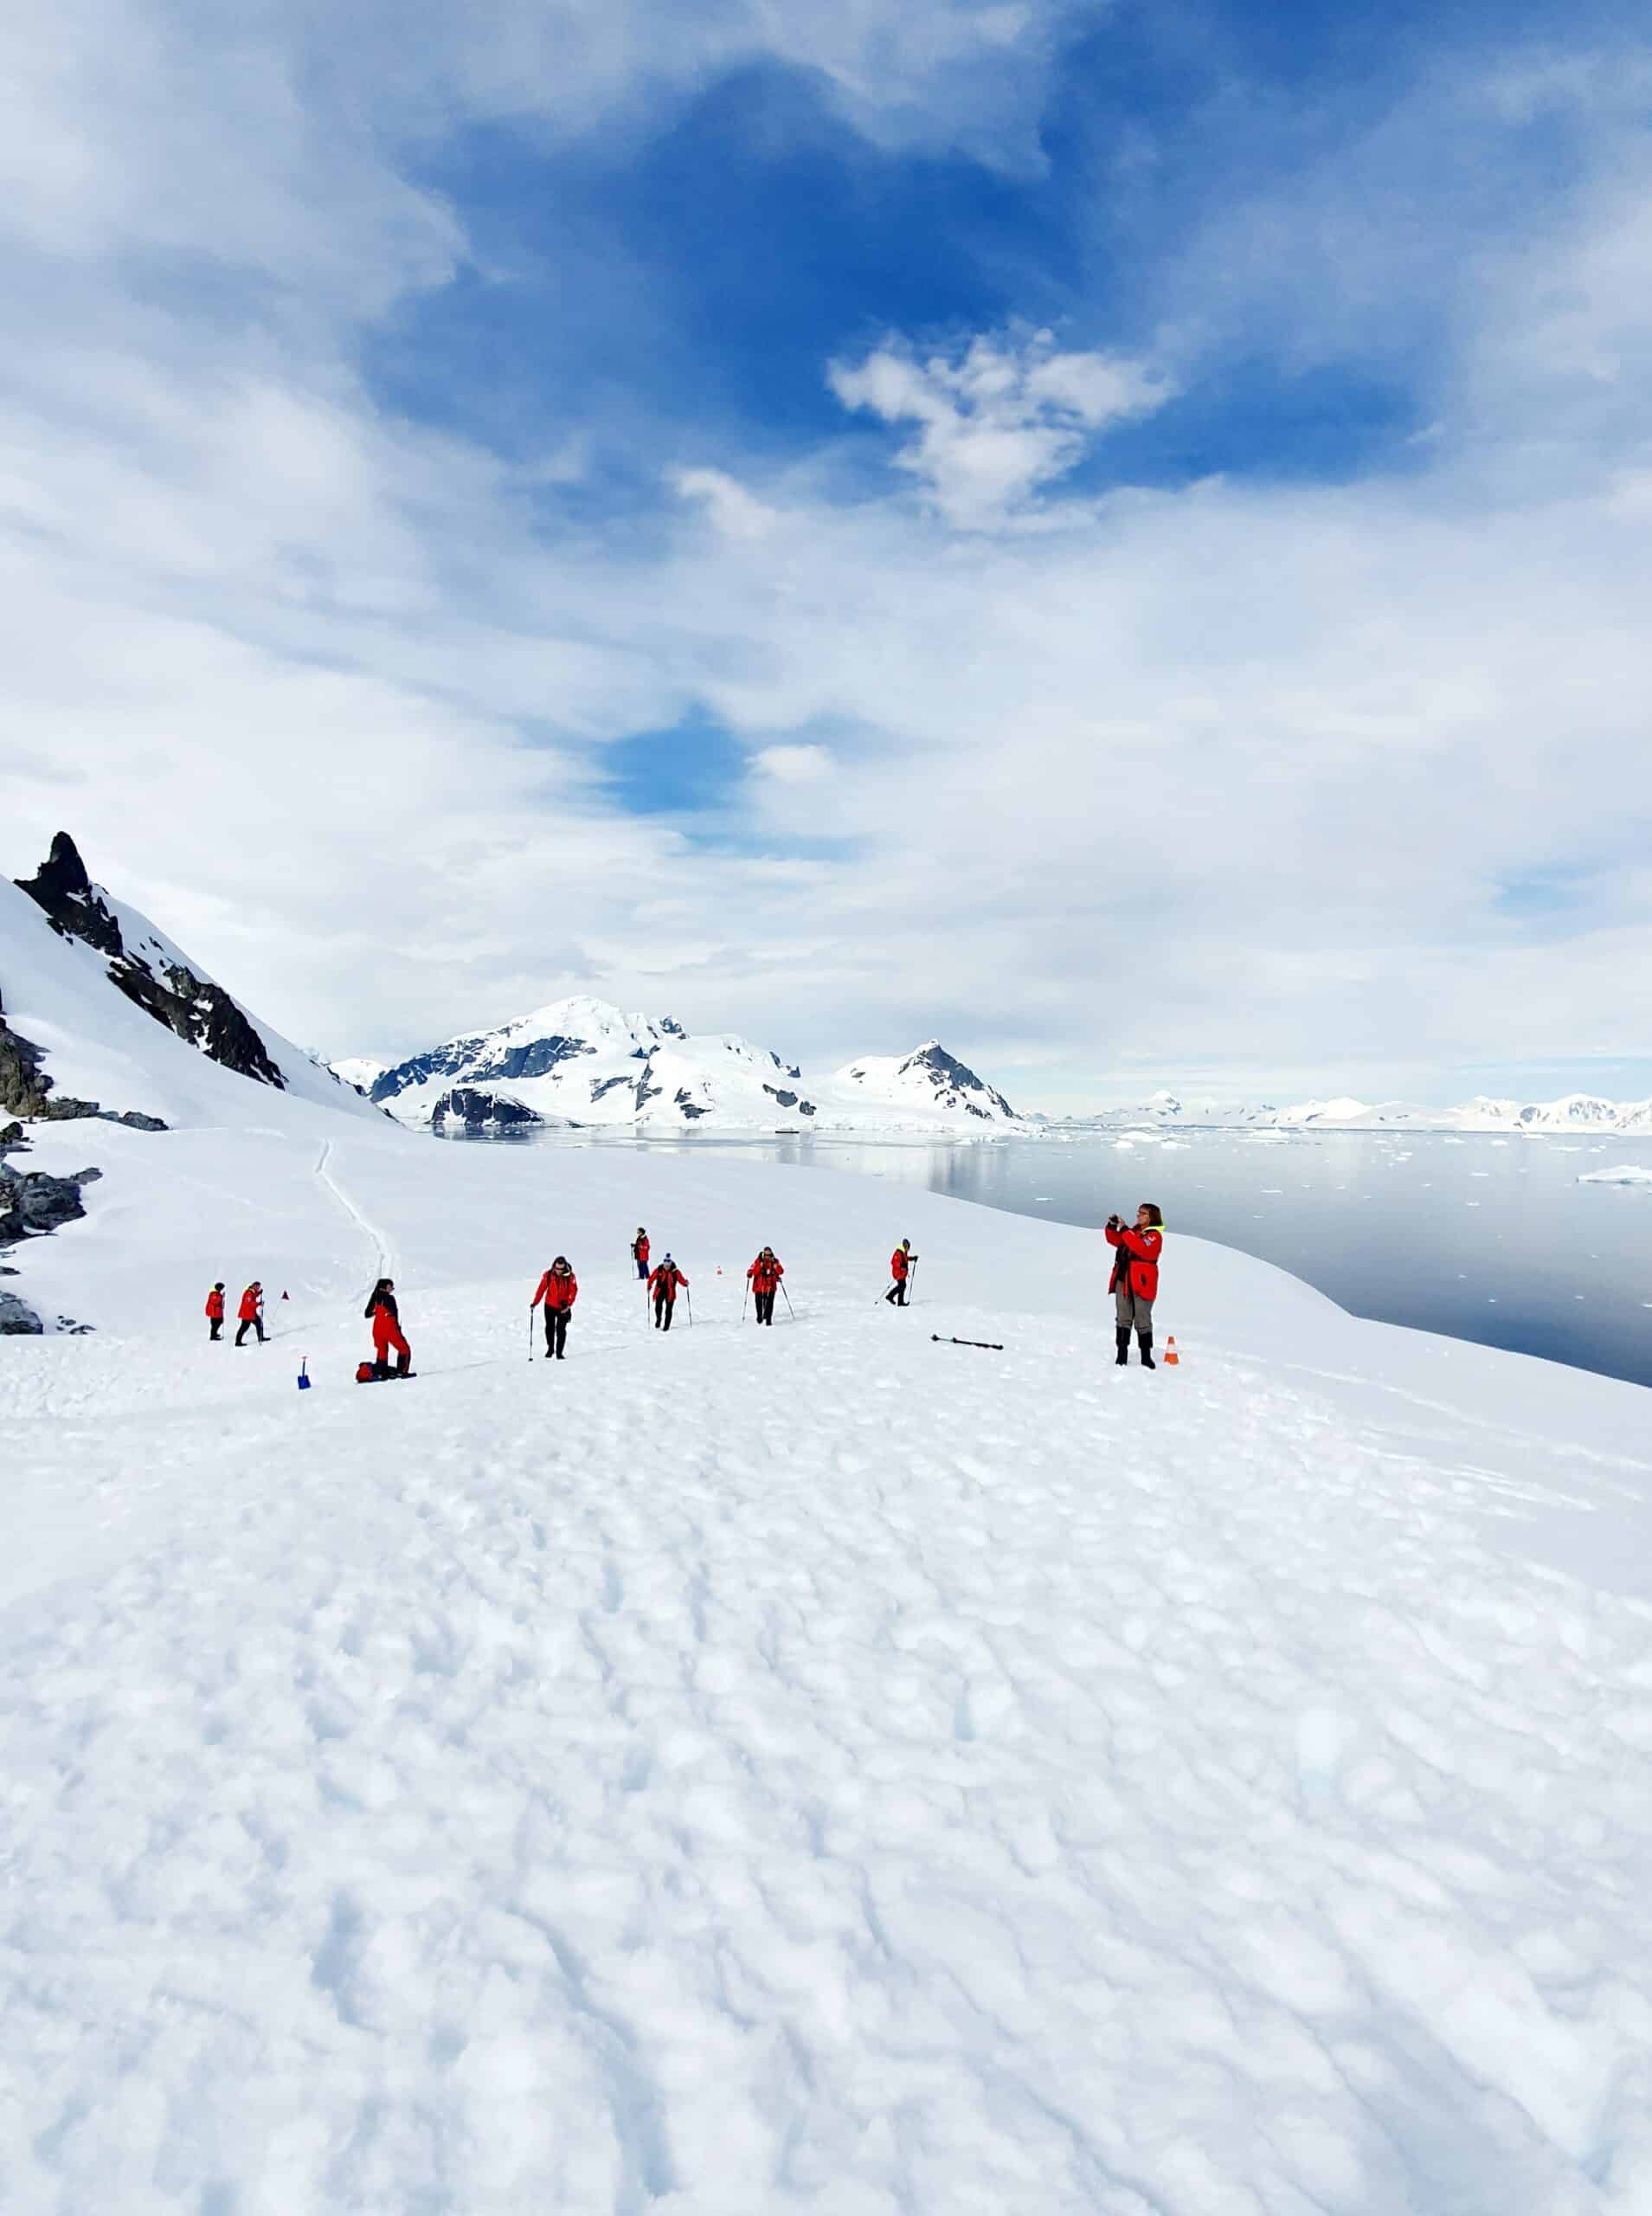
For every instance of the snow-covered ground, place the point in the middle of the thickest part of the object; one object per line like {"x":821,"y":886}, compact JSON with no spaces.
{"x":814,"y":1768}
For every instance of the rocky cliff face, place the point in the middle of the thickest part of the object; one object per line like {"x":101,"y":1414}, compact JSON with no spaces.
{"x":23,"y":1084}
{"x":199,"y":1011}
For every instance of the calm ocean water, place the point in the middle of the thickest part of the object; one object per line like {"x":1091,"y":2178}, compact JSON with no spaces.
{"x":1480,"y":1238}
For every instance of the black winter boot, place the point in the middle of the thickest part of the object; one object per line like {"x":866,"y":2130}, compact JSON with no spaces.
{"x":1124,"y":1338}
{"x":1144,"y":1343}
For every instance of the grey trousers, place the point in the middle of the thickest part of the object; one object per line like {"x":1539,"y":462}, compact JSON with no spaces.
{"x":1134,"y":1314}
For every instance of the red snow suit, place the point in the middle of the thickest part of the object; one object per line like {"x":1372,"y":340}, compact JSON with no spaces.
{"x":555,"y":1292}
{"x":898,"y":1262}
{"x":1139,"y":1254}
{"x":215,"y":1305}
{"x":666,"y":1281}
{"x":387,"y":1333}
{"x":252,"y":1304}
{"x":765,"y":1275}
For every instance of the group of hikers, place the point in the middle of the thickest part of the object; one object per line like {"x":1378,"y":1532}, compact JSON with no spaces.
{"x":249,"y":1315}
{"x":1134,"y":1285}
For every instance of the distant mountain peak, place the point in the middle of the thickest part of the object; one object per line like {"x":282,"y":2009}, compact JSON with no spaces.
{"x":581,"y":1061}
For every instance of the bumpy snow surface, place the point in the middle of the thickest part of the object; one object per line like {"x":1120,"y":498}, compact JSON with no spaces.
{"x":811,"y":1768}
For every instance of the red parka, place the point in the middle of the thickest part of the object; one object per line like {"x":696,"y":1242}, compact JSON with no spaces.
{"x":765,"y":1273}
{"x":252,"y":1304}
{"x":1138,"y":1253}
{"x":666,"y":1281}
{"x":556,"y":1291}
{"x":639,"y":1247}
{"x":898,"y":1262}
{"x":215,"y":1305}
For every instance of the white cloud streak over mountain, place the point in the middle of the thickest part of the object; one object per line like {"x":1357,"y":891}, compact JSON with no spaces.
{"x":1231,"y":778}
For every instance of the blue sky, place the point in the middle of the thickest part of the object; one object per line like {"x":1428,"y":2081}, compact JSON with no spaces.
{"x":1117,"y":536}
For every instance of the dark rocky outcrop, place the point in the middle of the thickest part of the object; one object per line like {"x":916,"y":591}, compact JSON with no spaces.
{"x":33,"y":1201}
{"x":790,"y":1100}
{"x":134,"y":1119}
{"x":61,"y":887}
{"x":475,"y":1107}
{"x":17,"y":1318}
{"x":194,"y":1007}
{"x":23,"y":1084}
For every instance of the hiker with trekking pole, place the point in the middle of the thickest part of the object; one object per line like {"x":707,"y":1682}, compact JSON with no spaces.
{"x":559,"y":1290}
{"x":663,"y":1284}
{"x":639,"y":1252}
{"x":1135,"y":1281}
{"x":904,"y":1268}
{"x":764,"y":1279}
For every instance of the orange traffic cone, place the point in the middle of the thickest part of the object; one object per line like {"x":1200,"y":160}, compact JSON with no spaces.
{"x":1172,"y":1358}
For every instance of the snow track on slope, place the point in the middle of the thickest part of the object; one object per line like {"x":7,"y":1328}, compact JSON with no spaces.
{"x":383,"y":1264}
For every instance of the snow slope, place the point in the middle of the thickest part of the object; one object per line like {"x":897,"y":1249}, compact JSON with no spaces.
{"x":582,"y":1061}
{"x":98,"y":1045}
{"x":814,"y":1768}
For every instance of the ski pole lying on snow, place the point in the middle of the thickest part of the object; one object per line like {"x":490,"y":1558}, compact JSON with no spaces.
{"x":991,"y":1346}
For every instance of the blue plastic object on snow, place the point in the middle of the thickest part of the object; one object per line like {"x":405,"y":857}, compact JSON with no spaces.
{"x":303,"y":1375}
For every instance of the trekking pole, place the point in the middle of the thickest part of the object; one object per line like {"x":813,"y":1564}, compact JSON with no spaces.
{"x":790,"y":1311}
{"x":912,"y":1289}
{"x":530,"y":1335}
{"x":747,"y":1297}
{"x":689,"y":1297}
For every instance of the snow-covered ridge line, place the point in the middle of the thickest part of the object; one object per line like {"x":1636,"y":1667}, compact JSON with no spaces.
{"x":582,"y":1062}
{"x":1574,"y":1112}
{"x":102,"y":1013}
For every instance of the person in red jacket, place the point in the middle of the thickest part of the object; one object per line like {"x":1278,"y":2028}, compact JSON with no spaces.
{"x":900,"y":1268}
{"x":765,"y":1275}
{"x":215,"y":1311}
{"x":1135,"y":1281}
{"x":639,"y":1252}
{"x":663,"y":1284}
{"x":385,"y":1319}
{"x":559,"y":1290}
{"x":250,"y":1314}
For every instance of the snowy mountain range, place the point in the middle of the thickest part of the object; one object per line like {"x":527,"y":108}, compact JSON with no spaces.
{"x":1575,"y":1112}
{"x":582,"y":1062}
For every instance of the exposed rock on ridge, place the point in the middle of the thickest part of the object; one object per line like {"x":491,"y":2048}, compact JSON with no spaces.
{"x":198,"y":1011}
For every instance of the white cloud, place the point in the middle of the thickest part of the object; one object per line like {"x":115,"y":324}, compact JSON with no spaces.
{"x":1222,"y":775}
{"x":795,"y":765}
{"x":1000,"y":418}
{"x":731,"y":507}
